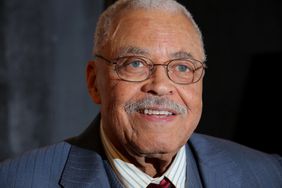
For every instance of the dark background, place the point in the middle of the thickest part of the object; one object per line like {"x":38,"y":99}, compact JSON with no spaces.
{"x":45,"y":45}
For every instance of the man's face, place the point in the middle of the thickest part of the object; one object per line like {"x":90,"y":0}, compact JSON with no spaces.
{"x":160,"y":36}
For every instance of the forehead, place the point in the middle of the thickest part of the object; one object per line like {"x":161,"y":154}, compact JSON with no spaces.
{"x":157,"y":32}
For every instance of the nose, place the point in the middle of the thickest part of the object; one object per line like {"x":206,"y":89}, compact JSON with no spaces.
{"x":159,"y":84}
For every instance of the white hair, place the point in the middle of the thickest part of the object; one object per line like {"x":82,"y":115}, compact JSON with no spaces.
{"x":105,"y":22}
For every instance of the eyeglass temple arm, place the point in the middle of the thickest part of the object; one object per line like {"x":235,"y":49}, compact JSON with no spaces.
{"x":105,"y":59}
{"x":204,"y":66}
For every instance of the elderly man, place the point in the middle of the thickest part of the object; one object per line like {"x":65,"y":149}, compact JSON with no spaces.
{"x":147,"y":76}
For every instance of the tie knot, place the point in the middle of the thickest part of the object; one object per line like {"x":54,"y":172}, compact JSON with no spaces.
{"x":165,"y":183}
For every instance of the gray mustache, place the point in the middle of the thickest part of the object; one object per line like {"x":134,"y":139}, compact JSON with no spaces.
{"x":135,"y":106}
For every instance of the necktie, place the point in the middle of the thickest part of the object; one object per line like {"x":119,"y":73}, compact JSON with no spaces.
{"x":165,"y":183}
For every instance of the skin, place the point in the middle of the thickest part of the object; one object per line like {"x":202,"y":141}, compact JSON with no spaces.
{"x":148,"y":142}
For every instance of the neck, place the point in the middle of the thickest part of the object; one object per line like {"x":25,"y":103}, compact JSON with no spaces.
{"x":153,"y":165}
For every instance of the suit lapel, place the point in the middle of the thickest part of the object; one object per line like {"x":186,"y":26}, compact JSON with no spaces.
{"x":217,"y":169}
{"x":87,"y":165}
{"x":84,"y":168}
{"x":193,"y":178}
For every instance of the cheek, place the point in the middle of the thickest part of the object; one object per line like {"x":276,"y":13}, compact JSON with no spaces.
{"x":116,"y":94}
{"x":120,"y":92}
{"x":192,"y":96}
{"x":118,"y":126}
{"x":108,"y":86}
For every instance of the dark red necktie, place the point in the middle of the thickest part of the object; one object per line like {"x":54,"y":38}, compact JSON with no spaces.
{"x":165,"y":183}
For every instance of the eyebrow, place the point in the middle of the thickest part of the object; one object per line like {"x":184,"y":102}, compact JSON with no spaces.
{"x":131,"y":50}
{"x":181,"y":55}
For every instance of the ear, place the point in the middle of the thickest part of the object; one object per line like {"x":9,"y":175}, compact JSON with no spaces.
{"x":91,"y":76}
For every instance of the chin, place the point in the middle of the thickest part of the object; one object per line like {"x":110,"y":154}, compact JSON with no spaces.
{"x":156,"y":147}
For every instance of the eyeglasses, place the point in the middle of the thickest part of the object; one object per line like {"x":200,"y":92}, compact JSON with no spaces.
{"x":139,"y":68}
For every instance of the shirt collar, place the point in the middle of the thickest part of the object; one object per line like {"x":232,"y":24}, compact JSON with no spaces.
{"x":131,"y":176}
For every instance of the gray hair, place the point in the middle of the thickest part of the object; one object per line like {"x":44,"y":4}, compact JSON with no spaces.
{"x":102,"y":33}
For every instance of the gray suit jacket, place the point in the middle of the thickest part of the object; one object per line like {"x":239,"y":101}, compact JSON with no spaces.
{"x":81,"y":163}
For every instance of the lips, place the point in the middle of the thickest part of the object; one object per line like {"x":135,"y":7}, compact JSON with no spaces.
{"x":156,"y":112}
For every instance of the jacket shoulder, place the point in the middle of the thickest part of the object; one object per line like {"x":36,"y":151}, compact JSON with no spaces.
{"x":205,"y":143}
{"x":35,"y":168}
{"x":255,"y":166}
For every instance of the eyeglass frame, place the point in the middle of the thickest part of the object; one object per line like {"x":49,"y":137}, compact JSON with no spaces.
{"x":153,"y":65}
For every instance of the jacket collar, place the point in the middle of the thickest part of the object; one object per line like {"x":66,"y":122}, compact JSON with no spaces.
{"x":215,"y":162}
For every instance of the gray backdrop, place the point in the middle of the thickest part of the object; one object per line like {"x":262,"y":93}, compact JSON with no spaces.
{"x":45,"y":46}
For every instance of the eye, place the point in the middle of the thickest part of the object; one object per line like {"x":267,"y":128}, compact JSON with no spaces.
{"x":182,"y":68}
{"x":135,"y":64}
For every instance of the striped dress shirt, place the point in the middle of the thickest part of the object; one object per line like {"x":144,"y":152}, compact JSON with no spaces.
{"x":132,"y":177}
